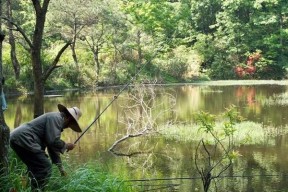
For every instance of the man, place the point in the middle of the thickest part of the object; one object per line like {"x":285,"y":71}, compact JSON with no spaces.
{"x":30,"y":140}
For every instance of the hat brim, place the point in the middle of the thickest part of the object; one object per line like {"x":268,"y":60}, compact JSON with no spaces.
{"x":74,"y":124}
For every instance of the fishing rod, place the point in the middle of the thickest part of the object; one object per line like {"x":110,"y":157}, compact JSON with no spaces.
{"x":116,"y":96}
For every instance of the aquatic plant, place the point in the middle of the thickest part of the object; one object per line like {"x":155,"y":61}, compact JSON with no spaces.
{"x":217,"y":155}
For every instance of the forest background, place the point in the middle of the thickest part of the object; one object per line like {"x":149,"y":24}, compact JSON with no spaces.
{"x":177,"y":41}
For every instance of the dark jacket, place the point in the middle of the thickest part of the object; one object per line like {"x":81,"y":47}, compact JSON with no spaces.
{"x":44,"y":131}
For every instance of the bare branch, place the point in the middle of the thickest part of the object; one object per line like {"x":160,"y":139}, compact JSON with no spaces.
{"x":128,"y":154}
{"x":55,"y":62}
{"x":196,"y":157}
{"x":20,"y":30}
{"x":124,"y":138}
{"x":139,"y":117}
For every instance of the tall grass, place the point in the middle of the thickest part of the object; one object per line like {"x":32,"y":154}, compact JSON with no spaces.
{"x":16,"y":177}
{"x":90,"y":177}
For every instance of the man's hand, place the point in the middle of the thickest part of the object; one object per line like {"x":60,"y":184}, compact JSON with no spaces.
{"x":61,"y":169}
{"x":70,"y":146}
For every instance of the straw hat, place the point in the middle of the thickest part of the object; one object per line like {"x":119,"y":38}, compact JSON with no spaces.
{"x":75,"y":113}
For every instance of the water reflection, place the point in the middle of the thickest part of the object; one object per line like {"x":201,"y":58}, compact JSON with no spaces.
{"x":262,"y":167}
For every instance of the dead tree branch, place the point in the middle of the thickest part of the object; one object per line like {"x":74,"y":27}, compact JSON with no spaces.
{"x":140,"y":116}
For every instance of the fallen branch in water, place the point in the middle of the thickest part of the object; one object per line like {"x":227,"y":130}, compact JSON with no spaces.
{"x":126,"y":137}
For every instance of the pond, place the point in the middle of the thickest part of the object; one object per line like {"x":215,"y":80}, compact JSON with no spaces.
{"x":157,"y":162}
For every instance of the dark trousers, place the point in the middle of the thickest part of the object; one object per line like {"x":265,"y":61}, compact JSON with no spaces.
{"x":38,"y":165}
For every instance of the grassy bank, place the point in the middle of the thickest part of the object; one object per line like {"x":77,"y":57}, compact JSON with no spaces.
{"x":90,"y":177}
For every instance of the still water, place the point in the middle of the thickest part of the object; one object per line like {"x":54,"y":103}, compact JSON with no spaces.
{"x":169,"y":163}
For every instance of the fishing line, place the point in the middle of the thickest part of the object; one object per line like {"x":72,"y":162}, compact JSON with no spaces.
{"x":116,"y":96}
{"x":198,"y":177}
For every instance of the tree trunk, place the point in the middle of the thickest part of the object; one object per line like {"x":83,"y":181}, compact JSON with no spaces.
{"x":38,"y":84}
{"x":18,"y":115}
{"x":39,"y":76}
{"x":36,"y":56}
{"x":74,"y":55}
{"x":97,"y":62}
{"x":73,"y":49}
{"x":4,"y":129}
{"x":281,"y":24}
{"x":15,"y":62}
{"x":139,"y":51}
{"x":4,"y":146}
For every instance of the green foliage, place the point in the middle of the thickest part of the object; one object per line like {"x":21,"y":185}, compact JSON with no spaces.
{"x":208,"y":123}
{"x":206,"y":120}
{"x":221,"y":68}
{"x":203,"y":14}
{"x":181,"y":63}
{"x":205,"y":48}
{"x":26,"y":21}
{"x":12,"y":85}
{"x":25,"y":82}
{"x":214,"y":34}
{"x":176,"y":67}
{"x":156,"y":17}
{"x":267,"y":69}
{"x":233,"y":117}
{"x":65,"y":77}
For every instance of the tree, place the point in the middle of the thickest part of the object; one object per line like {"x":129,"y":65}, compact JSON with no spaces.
{"x":156,"y":17}
{"x":68,"y":18}
{"x":4,"y":129}
{"x":242,"y":28}
{"x":203,"y":14}
{"x":271,"y":28}
{"x":231,"y":37}
{"x":35,"y":48}
{"x":108,"y":31}
{"x":13,"y":56}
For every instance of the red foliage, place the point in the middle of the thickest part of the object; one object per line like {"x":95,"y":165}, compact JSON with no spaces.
{"x":249,"y":68}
